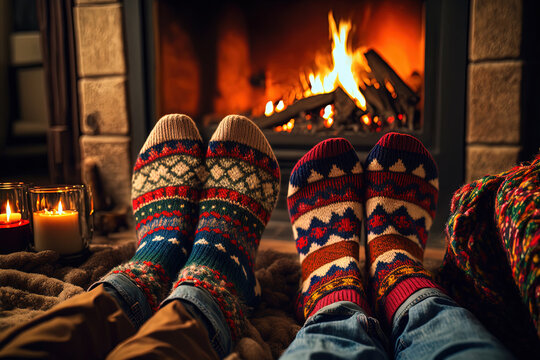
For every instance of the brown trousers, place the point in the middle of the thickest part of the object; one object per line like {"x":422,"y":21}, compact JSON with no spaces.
{"x":92,"y":325}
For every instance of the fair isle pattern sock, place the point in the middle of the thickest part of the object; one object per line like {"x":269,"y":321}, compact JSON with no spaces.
{"x":325,"y":207}
{"x":235,"y":205}
{"x":165,"y":190}
{"x":401,"y":199}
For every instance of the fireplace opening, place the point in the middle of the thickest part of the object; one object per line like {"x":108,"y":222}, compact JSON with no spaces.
{"x":282,"y":64}
{"x":270,"y":60}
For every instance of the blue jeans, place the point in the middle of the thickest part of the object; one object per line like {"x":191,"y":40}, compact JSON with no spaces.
{"x":429,"y":325}
{"x":198,"y":302}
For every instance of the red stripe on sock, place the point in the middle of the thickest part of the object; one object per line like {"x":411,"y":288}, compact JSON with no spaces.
{"x":384,"y":243}
{"x":382,"y":178}
{"x":233,"y":196}
{"x":185,"y":192}
{"x":342,"y":295}
{"x":327,"y":254}
{"x":179,"y":148}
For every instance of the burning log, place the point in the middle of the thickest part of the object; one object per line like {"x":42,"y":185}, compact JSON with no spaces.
{"x":383,"y":71}
{"x":303,"y":105}
{"x":390,"y":103}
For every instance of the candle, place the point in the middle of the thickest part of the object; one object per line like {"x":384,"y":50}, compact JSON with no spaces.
{"x":57,"y":230}
{"x":14,"y":232}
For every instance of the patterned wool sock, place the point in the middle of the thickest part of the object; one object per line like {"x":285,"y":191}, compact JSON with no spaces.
{"x":165,"y":190}
{"x":325,"y":207}
{"x":235,"y":205}
{"x":401,"y":199}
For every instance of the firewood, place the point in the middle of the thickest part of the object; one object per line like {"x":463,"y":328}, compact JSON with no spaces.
{"x":303,"y":105}
{"x":383,"y":71}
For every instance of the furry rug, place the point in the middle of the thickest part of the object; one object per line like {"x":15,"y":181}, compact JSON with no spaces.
{"x":32,"y":283}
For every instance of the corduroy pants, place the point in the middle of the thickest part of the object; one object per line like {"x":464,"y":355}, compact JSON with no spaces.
{"x":92,"y":325}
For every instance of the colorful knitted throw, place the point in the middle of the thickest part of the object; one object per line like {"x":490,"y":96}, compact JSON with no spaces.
{"x":491,"y":265}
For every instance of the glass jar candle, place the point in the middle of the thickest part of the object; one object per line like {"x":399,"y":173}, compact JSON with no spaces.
{"x":61,"y":218}
{"x":15,"y":231}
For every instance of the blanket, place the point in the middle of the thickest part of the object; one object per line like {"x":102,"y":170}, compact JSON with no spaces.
{"x":492,"y":260}
{"x":31,"y":283}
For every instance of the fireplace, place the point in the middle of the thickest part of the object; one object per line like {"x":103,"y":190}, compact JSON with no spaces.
{"x":253,"y":58}
{"x":474,"y":82}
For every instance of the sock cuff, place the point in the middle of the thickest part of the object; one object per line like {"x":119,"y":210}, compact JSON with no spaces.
{"x":402,"y":291}
{"x":172,"y":127}
{"x":350,"y":295}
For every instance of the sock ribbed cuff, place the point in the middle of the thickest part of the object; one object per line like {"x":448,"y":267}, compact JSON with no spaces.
{"x":342,"y":295}
{"x":402,"y":291}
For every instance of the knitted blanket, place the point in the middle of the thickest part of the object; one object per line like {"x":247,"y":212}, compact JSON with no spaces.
{"x":491,"y":266}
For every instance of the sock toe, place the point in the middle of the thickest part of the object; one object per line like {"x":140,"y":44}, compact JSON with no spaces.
{"x":172,"y":127}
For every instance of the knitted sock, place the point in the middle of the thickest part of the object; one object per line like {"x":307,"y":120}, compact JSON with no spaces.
{"x":401,"y":199}
{"x":235,"y":205}
{"x":165,"y":190}
{"x":325,"y":207}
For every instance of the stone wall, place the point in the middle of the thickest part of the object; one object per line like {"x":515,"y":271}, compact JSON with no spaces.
{"x":103,"y":114}
{"x":494,"y":104}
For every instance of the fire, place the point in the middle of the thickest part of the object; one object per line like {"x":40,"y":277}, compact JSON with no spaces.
{"x":326,"y":114}
{"x":269,"y":109}
{"x":345,"y":62}
{"x":346,"y":71}
{"x":60,"y":210}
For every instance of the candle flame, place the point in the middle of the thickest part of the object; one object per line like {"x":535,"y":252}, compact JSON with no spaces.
{"x":60,"y":207}
{"x":8,"y":211}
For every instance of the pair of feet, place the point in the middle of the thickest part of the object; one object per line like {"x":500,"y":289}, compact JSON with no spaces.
{"x":330,"y":194}
{"x":200,"y":215}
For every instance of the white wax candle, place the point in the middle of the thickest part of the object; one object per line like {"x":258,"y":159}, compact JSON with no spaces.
{"x":57,"y":231}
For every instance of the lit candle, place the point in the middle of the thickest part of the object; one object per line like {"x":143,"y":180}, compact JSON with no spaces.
{"x":14,"y":231}
{"x":57,"y":230}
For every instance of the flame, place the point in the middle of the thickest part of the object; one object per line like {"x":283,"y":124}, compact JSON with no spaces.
{"x":366,"y":120}
{"x":269,"y":109}
{"x":8,"y":211}
{"x":60,"y":207}
{"x":327,"y":113}
{"x":344,"y":61}
{"x":346,"y":72}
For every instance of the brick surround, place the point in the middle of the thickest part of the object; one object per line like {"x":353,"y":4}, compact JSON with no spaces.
{"x":494,"y":94}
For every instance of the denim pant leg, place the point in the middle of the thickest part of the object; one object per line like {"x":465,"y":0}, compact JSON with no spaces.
{"x":130,"y":298}
{"x":201,"y":305}
{"x":341,"y":330}
{"x":430,"y":325}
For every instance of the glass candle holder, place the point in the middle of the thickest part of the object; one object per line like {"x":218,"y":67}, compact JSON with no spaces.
{"x":15,"y":231}
{"x":61,"y":219}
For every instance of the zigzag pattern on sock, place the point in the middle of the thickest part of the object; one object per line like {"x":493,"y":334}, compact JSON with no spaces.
{"x":236,"y":203}
{"x":325,"y":207}
{"x":401,"y":198}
